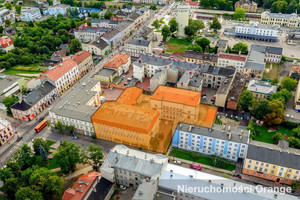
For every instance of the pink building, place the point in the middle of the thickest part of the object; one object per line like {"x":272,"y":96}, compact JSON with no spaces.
{"x":6,"y":131}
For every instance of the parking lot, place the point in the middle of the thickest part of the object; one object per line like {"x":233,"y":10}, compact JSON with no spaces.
{"x":126,"y":76}
{"x":209,"y":92}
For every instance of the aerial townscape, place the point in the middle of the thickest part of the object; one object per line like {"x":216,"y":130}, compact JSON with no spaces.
{"x":149,"y":100}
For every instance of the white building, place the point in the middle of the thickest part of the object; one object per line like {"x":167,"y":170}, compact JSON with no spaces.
{"x":6,"y":14}
{"x":136,"y":47}
{"x":236,"y":61}
{"x":30,"y":14}
{"x":104,"y":23}
{"x":227,"y":142}
{"x":90,"y":34}
{"x":57,"y":9}
{"x":257,"y":31}
{"x":76,"y":108}
{"x":182,"y":18}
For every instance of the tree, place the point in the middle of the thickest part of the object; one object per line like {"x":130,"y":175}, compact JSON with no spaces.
{"x":156,"y":24}
{"x":10,"y":186}
{"x":240,"y":48}
{"x":37,"y":142}
{"x":95,"y":15}
{"x":189,"y":31}
{"x":239,"y":13}
{"x":25,"y":193}
{"x":108,"y":14}
{"x":261,"y":108}
{"x":278,"y":136}
{"x":277,"y":115}
{"x":173,"y":25}
{"x":152,"y":7}
{"x":71,"y":129}
{"x":1,"y":29}
{"x":165,"y":32}
{"x":95,"y":156}
{"x":288,"y":83}
{"x":24,"y":156}
{"x":279,"y":6}
{"x":8,"y":102}
{"x":203,"y":42}
{"x":68,"y":155}
{"x":196,"y":24}
{"x":246,"y":100}
{"x":195,"y":47}
{"x":58,"y":125}
{"x":216,"y":25}
{"x":8,"y":5}
{"x":294,"y":142}
{"x":7,"y":22}
{"x":18,"y":9}
{"x":75,"y":46}
{"x":89,"y":23}
{"x":274,"y":81}
{"x":63,"y":32}
{"x":283,"y":95}
{"x":296,"y":132}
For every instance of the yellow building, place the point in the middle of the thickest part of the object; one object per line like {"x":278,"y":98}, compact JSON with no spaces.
{"x":288,"y":20}
{"x":261,"y":89}
{"x":276,"y":163}
{"x":248,"y":6}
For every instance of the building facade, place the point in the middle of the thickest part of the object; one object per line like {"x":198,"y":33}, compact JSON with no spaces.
{"x":89,"y":34}
{"x":76,"y":108}
{"x":6,"y":131}
{"x":261,"y":89}
{"x":97,"y":47}
{"x":248,"y":6}
{"x":57,"y":9}
{"x":120,"y":63}
{"x":137,"y":47}
{"x":6,"y":14}
{"x":11,"y":85}
{"x":287,"y":20}
{"x":34,"y":102}
{"x":104,"y":23}
{"x":84,"y":61}
{"x":30,"y":14}
{"x":194,"y":56}
{"x":236,"y":61}
{"x":229,"y":143}
{"x":182,"y":18}
{"x":297,"y":98}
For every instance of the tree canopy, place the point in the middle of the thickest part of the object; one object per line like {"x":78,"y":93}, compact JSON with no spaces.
{"x":165,"y":32}
{"x":246,"y":100}
{"x":289,"y":83}
{"x":239,"y":13}
{"x":240,"y":48}
{"x":173,"y":25}
{"x":215,"y":25}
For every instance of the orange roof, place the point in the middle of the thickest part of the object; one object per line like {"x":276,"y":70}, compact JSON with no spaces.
{"x":5,"y":42}
{"x":175,"y":95}
{"x":80,"y":56}
{"x":127,"y":117}
{"x":130,"y":96}
{"x":118,"y":60}
{"x":82,"y":186}
{"x":60,"y":69}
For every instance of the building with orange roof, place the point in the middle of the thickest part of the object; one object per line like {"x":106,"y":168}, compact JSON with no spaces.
{"x":176,"y":104}
{"x":84,"y":61}
{"x":63,"y":75}
{"x":126,"y":124}
{"x":6,"y":44}
{"x":89,"y":186}
{"x":120,"y":63}
{"x":131,"y":96}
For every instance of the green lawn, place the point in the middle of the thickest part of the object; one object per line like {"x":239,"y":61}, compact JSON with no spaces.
{"x":50,"y":142}
{"x":180,"y":41}
{"x":30,"y":69}
{"x":273,"y":73}
{"x":263,"y":135}
{"x":187,"y":155}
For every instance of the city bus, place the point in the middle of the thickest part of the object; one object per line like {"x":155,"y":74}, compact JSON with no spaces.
{"x":40,"y":126}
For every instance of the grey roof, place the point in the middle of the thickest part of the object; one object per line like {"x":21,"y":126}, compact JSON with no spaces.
{"x":216,"y":132}
{"x":174,"y":177}
{"x":134,"y":161}
{"x":255,"y":65}
{"x":108,"y":21}
{"x":280,"y":15}
{"x":205,"y":15}
{"x":34,"y":96}
{"x":256,"y":58}
{"x":100,"y":43}
{"x":222,"y":71}
{"x":222,"y":43}
{"x":274,"y":50}
{"x":274,"y":156}
{"x":236,"y":88}
{"x":261,"y":87}
{"x":7,"y":80}
{"x":123,"y":25}
{"x":107,"y":72}
{"x":102,"y":189}
{"x":260,"y":26}
{"x":153,"y":60}
{"x":136,"y":42}
{"x":144,"y":191}
{"x":256,"y":36}
{"x":122,"y":13}
{"x":201,"y":56}
{"x":73,"y":104}
{"x":93,"y":29}
{"x":133,"y":16}
{"x":111,"y":34}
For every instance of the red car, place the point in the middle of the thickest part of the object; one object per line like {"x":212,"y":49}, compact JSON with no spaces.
{"x":196,"y":166}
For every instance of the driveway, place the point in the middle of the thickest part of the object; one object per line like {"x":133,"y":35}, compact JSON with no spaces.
{"x":290,"y":112}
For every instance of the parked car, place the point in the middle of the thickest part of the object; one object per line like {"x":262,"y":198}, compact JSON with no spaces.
{"x":19,"y":139}
{"x":204,"y":96}
{"x":177,"y":162}
{"x":122,"y":187}
{"x":129,"y":79}
{"x":196,"y":166}
{"x":74,"y":137}
{"x":41,"y":119}
{"x":213,"y":98}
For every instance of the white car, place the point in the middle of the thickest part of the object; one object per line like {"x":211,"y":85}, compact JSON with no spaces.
{"x":177,"y":162}
{"x":122,"y":187}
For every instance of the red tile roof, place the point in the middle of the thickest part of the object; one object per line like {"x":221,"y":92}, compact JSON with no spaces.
{"x":192,"y":3}
{"x":233,"y":57}
{"x":130,"y":96}
{"x":80,"y":56}
{"x":82,"y":186}
{"x":117,"y":61}
{"x":5,"y":42}
{"x":60,"y":69}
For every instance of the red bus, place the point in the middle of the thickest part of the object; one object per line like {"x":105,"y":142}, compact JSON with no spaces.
{"x":196,"y":166}
{"x":40,"y":126}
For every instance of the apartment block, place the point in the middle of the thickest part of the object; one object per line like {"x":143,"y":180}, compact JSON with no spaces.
{"x":84,"y":61}
{"x":76,"y":108}
{"x":97,"y":47}
{"x":57,"y":9}
{"x":104,"y":23}
{"x":6,"y":14}
{"x":194,"y":56}
{"x":248,"y":6}
{"x":30,"y":14}
{"x":89,"y":34}
{"x":6,"y":131}
{"x":137,"y":47}
{"x":34,"y":102}
{"x":236,"y":61}
{"x":287,"y":20}
{"x":277,"y":163}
